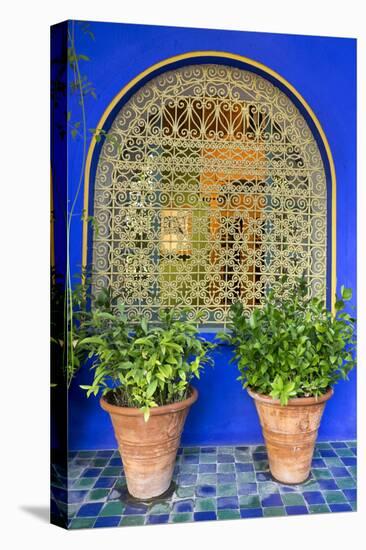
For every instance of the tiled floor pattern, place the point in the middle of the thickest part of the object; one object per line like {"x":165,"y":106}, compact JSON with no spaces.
{"x":213,"y":483}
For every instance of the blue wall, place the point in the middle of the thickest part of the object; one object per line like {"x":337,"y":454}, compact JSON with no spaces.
{"x":323,"y":70}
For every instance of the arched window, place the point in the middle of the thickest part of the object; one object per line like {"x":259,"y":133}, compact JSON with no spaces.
{"x":209,"y":187}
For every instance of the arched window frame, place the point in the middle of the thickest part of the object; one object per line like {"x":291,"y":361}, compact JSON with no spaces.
{"x":240,"y":62}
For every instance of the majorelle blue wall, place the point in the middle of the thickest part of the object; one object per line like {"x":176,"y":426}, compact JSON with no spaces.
{"x":323,"y":71}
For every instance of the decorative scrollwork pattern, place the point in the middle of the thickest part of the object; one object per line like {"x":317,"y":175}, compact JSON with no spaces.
{"x":209,"y":188}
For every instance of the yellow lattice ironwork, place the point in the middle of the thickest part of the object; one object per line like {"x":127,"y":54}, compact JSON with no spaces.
{"x":209,"y":188}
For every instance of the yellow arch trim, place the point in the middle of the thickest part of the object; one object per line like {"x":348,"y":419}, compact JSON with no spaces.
{"x":253,"y":63}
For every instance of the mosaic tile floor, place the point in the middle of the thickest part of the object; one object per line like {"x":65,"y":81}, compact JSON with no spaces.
{"x":212,"y":483}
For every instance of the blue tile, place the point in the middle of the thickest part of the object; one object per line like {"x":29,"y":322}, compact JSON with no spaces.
{"x":251,"y":512}
{"x":354,"y":450}
{"x":338,"y":445}
{"x":225,"y":458}
{"x":110,"y":521}
{"x":294,"y":510}
{"x":76,"y":496}
{"x":263,"y":476}
{"x":244,"y":467}
{"x":313,"y":497}
{"x":340,"y":507}
{"x":349,"y":461}
{"x":115,"y":462}
{"x":183,"y":506}
{"x":227,"y":503}
{"x":204,"y":516}
{"x":272,"y":500}
{"x":327,"y":453}
{"x":135,"y":509}
{"x":247,"y":488}
{"x":226,"y":478}
{"x":208,"y":450}
{"x":350,"y":494}
{"x":327,"y":484}
{"x":340,"y":472}
{"x":190,"y":459}
{"x":318,"y":463}
{"x":187,"y":479}
{"x":104,"y":482}
{"x":259,"y":456}
{"x":90,"y":510}
{"x":158,"y":518}
{"x":241,"y":448}
{"x":101,"y":454}
{"x":206,"y":491}
{"x":91,"y":472}
{"x":207,"y":468}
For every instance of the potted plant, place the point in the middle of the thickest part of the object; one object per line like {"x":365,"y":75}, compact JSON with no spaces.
{"x":143,"y":373}
{"x":290,"y":353}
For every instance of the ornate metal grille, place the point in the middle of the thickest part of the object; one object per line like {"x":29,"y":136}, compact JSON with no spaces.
{"x":208,"y":189}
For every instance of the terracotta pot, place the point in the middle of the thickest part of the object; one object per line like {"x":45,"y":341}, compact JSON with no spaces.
{"x":148,"y":449}
{"x":290,"y":432}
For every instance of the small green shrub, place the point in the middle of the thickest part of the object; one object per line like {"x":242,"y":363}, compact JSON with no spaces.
{"x":292,"y":347}
{"x":143,"y":365}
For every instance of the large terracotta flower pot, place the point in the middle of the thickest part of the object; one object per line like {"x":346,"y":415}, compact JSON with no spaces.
{"x":290,"y":432}
{"x":149,"y":449}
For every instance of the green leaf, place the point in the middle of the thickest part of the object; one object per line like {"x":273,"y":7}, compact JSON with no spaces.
{"x":346,"y":293}
{"x":151,"y":388}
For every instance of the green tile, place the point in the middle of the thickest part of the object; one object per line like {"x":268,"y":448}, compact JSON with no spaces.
{"x":207,"y":479}
{"x":245,"y":477}
{"x":353,"y":471}
{"x":323,"y":445}
{"x":183,"y":492}
{"x":334,"y":497}
{"x":333,"y":461}
{"x":188,"y":469}
{"x":111,"y":472}
{"x":228,"y":514}
{"x":274,"y":511}
{"x":293,"y":499}
{"x":205,"y":504}
{"x":242,"y":457}
{"x":267,"y":487}
{"x":225,"y":468}
{"x":344,"y":452}
{"x":132,"y":520}
{"x":249,"y":501}
{"x":225,"y":450}
{"x":84,"y":483}
{"x":99,"y":462}
{"x":98,"y":494}
{"x":311,"y":485}
{"x":181,"y":518}
{"x":191,"y":450}
{"x":82,"y":523}
{"x":353,"y":506}
{"x":346,"y":482}
{"x":207,"y":458}
{"x":160,"y":508}
{"x":227,"y":489}
{"x":261,"y":465}
{"x":318,"y":508}
{"x":71,"y":509}
{"x":322,"y":473}
{"x":351,"y":443}
{"x":115,"y":508}
{"x":86,"y":454}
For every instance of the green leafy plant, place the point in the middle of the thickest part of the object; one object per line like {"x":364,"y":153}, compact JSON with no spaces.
{"x":142,"y":365}
{"x":293,"y":347}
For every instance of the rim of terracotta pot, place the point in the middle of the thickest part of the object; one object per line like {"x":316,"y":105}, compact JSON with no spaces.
{"x":294,"y":402}
{"x":154,"y":411}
